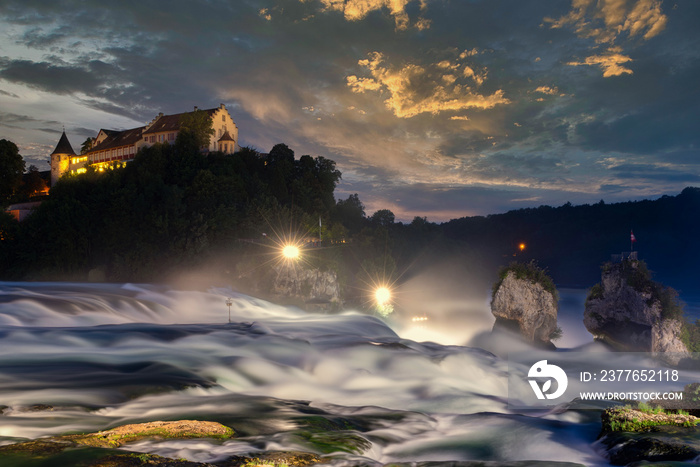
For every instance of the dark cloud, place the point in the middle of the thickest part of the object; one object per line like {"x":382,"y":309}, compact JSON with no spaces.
{"x":655,"y":173}
{"x":13,"y":120}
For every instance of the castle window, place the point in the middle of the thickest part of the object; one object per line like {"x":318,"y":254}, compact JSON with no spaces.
{"x":171,"y":136}
{"x":153,"y":139}
{"x":223,"y":117}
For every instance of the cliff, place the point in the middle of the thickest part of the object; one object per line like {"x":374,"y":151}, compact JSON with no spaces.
{"x":315,"y":288}
{"x":630,"y":312}
{"x":521,"y":304}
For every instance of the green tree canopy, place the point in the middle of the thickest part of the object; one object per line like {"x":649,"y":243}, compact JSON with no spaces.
{"x":11,"y":170}
{"x":33,"y":182}
{"x":351,"y":213}
{"x":383,"y":217}
{"x":87,"y":145}
{"x":199,"y":125}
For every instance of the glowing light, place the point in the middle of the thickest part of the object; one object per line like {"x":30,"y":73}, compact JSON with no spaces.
{"x":382,"y":295}
{"x":290,"y":251}
{"x":521,"y":247}
{"x":417,"y":319}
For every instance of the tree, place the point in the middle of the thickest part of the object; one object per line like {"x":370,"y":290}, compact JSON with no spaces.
{"x":351,"y":212}
{"x":33,"y":182}
{"x":279,"y":153}
{"x":199,"y":124}
{"x":383,"y":217}
{"x":87,"y":145}
{"x":11,"y":170}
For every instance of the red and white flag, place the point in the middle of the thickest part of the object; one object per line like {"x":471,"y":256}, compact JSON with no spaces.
{"x":632,"y":237}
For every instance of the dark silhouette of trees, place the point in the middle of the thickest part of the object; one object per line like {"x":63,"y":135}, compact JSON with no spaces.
{"x":11,"y":170}
{"x":199,"y":126}
{"x":33,"y":183}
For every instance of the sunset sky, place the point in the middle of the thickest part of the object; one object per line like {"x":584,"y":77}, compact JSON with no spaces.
{"x":437,"y":108}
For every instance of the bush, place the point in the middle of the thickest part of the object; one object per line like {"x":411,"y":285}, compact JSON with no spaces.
{"x":527,"y":271}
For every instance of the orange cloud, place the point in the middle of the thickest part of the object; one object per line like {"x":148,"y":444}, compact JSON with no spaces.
{"x":552,"y":91}
{"x":413,"y":89}
{"x":355,"y":10}
{"x":606,"y":20}
{"x":611,"y":63}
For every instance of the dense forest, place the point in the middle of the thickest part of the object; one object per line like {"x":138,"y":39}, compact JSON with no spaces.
{"x":573,"y":241}
{"x":175,"y":208}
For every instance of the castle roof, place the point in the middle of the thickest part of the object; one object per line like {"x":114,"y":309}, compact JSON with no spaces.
{"x":63,"y":146}
{"x":172,"y":122}
{"x":117,"y":139}
{"x":226,"y":137}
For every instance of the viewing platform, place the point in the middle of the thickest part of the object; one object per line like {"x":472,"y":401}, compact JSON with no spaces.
{"x":625,"y":255}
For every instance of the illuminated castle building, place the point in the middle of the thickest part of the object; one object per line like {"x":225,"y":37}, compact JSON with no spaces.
{"x":112,"y":148}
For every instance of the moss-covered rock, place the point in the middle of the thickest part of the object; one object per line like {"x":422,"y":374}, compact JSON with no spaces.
{"x":630,"y":419}
{"x":119,"y":436}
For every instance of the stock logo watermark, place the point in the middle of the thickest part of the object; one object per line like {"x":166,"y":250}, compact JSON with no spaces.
{"x":541,"y":370}
{"x":541,"y":379}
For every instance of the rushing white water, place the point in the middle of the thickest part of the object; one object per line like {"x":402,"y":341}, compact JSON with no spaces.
{"x":82,"y":357}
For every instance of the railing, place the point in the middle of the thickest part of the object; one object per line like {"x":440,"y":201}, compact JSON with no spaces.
{"x":625,"y":255}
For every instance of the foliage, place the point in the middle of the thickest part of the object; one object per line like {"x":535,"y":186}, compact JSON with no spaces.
{"x":527,"y":271}
{"x":690,"y":335}
{"x":383,"y":217}
{"x":198,"y":126}
{"x":596,"y":292}
{"x":637,"y":275}
{"x":11,"y":170}
{"x":351,"y":213}
{"x":33,"y":183}
{"x":172,"y":206}
{"x":556,"y":334}
{"x":636,"y":418}
{"x":87,"y":145}
{"x":573,"y":241}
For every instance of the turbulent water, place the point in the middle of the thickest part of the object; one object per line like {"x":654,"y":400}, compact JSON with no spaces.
{"x":83,"y":357}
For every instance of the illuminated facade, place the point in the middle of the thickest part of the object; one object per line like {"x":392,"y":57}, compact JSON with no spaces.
{"x":61,"y":158}
{"x":112,"y":148}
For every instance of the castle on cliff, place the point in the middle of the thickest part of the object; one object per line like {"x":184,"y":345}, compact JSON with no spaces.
{"x":111,"y":147}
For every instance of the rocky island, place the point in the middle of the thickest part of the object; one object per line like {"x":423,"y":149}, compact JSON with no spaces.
{"x":525,"y":300}
{"x":630,"y":312}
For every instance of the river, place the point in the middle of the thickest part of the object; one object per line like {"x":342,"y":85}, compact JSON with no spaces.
{"x":80,"y":357}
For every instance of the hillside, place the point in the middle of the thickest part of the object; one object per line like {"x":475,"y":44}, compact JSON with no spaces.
{"x":573,"y":241}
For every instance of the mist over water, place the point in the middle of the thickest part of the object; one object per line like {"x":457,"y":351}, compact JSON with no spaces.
{"x":111,"y":354}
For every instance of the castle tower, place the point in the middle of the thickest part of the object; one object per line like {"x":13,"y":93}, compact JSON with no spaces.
{"x":60,"y":158}
{"x":227,"y":144}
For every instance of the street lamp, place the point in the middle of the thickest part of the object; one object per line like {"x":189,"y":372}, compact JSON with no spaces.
{"x":382,"y":295}
{"x":229,"y":302}
{"x":290,"y":252}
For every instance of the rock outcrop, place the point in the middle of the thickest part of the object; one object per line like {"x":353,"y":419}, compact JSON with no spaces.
{"x":311,"y":286}
{"x":525,"y":305}
{"x":625,"y":310}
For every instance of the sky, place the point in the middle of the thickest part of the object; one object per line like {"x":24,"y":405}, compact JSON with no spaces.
{"x":433,"y":108}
